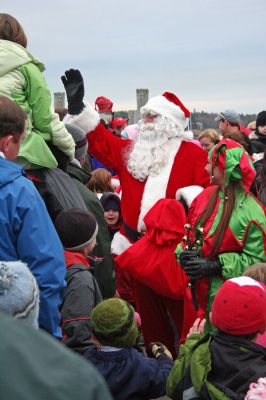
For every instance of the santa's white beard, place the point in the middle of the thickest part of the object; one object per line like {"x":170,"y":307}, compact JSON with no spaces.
{"x":148,"y":155}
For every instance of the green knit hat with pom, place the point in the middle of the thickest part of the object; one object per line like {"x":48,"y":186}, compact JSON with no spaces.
{"x":113,"y":323}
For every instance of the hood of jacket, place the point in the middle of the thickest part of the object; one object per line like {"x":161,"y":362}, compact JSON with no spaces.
{"x":226,"y":365}
{"x":10,"y":171}
{"x":78,"y":173}
{"x":12,"y":56}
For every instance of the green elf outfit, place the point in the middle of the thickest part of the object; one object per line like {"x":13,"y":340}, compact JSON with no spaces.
{"x":244,"y":241}
{"x":22,"y":81}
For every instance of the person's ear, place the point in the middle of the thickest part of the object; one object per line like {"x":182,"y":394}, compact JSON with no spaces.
{"x":5,"y":142}
{"x":210,"y":317}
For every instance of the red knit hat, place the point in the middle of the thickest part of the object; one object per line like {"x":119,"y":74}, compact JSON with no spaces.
{"x":102,"y":104}
{"x":239,"y":306}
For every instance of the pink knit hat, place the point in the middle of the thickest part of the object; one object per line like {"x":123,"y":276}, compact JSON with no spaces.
{"x":257,"y":391}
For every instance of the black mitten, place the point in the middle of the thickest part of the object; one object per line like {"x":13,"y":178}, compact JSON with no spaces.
{"x":74,"y":87}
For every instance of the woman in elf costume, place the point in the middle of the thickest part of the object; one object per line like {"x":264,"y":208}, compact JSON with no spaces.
{"x":227,"y":225}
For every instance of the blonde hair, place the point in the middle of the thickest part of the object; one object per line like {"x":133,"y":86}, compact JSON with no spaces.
{"x":210,"y":133}
{"x":257,"y":272}
{"x":100,"y":181}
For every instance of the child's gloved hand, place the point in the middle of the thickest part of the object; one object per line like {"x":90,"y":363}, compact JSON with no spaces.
{"x":158,"y":350}
{"x":74,"y":87}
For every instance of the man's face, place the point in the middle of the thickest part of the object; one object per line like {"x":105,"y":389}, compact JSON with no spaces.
{"x":149,"y":118}
{"x":12,"y":146}
{"x":223,"y":126}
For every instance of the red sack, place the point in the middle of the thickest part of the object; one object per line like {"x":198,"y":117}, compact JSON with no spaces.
{"x":151,"y":259}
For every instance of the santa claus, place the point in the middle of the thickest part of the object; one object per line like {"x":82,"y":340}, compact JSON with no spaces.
{"x":161,"y":163}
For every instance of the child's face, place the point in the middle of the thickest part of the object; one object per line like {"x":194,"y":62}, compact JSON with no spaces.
{"x":262,"y":130}
{"x":111,"y":217}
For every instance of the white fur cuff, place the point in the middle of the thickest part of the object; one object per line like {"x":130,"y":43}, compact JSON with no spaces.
{"x":119,"y":244}
{"x":188,"y":193}
{"x":87,"y":120}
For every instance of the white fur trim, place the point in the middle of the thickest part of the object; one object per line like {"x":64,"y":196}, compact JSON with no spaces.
{"x":87,"y":120}
{"x":257,"y":157}
{"x":115,"y":182}
{"x":161,"y":106}
{"x":253,"y":135}
{"x":188,"y":193}
{"x":155,"y":187}
{"x":119,"y":244}
{"x":246,"y":281}
{"x":187,"y":136}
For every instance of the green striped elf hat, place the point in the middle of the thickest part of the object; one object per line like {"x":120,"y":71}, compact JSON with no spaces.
{"x":233,"y":160}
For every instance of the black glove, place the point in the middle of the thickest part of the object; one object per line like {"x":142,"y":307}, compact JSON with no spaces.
{"x":199,"y":268}
{"x":74,"y":86}
{"x":187,"y":255}
{"x":158,"y":350}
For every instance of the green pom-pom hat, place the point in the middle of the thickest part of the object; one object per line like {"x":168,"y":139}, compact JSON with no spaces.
{"x":113,"y":323}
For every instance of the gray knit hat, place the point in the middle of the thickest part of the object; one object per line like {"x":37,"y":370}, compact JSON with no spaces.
{"x":80,"y":139}
{"x":19,"y":292}
{"x":113,"y":323}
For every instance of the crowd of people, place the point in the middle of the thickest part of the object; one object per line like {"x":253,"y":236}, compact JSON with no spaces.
{"x":139,"y":249}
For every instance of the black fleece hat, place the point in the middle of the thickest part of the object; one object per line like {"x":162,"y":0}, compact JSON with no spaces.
{"x":110,"y":201}
{"x":261,"y":119}
{"x":76,"y":228}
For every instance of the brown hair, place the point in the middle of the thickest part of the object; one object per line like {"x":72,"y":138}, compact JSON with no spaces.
{"x":263,"y":170}
{"x":228,"y":207}
{"x":12,"y":118}
{"x":100,"y":181}
{"x":241,"y":138}
{"x":257,"y":272}
{"x":210,"y":133}
{"x":10,"y":29}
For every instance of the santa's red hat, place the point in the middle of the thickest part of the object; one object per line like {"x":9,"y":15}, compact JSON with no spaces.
{"x":168,"y":105}
{"x":103,"y":105}
{"x":239,"y":306}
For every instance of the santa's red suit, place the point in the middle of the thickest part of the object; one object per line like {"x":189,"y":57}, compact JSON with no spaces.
{"x":184,"y":169}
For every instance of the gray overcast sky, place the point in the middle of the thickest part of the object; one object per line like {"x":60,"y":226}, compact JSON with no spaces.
{"x":210,"y":53}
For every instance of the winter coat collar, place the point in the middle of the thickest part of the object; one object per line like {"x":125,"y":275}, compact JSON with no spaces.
{"x":75,"y":258}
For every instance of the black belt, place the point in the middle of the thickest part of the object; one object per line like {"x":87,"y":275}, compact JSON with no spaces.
{"x":131,"y":234}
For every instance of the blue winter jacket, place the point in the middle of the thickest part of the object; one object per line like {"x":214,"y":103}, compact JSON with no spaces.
{"x":130,"y":374}
{"x":27,"y":234}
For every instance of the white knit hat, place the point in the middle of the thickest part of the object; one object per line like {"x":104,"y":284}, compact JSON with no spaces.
{"x":169,"y":106}
{"x":19,"y":292}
